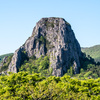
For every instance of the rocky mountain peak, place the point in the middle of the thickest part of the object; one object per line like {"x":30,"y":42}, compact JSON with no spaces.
{"x":55,"y":38}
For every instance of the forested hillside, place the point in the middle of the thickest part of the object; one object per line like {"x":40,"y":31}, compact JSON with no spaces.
{"x":34,"y":81}
{"x":94,"y":52}
{"x":32,"y":72}
{"x":2,"y":56}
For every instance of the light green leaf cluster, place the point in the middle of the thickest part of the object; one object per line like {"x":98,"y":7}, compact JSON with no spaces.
{"x":23,"y":86}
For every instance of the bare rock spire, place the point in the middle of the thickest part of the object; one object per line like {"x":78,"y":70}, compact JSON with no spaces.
{"x":55,"y":38}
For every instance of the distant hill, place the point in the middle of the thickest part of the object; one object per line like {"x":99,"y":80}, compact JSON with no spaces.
{"x":2,"y":56}
{"x":94,"y":52}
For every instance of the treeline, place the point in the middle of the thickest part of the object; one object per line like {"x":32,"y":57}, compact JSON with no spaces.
{"x":23,"y":86}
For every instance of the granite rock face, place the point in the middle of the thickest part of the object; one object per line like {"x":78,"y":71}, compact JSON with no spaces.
{"x":55,"y":38}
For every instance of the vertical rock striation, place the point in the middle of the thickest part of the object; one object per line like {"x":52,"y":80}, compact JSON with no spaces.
{"x":55,"y":38}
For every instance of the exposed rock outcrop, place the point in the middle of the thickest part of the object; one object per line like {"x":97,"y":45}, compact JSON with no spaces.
{"x":55,"y":38}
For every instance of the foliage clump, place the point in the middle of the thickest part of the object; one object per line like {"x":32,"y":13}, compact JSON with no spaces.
{"x":37,"y":65}
{"x":23,"y":86}
{"x":92,"y":71}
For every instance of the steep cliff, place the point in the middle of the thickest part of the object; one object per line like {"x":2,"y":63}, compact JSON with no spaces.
{"x":55,"y":38}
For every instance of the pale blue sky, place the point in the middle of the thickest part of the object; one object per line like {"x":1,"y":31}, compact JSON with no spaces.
{"x":18,"y":17}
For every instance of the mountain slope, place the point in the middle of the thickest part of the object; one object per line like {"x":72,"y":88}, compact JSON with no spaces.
{"x":2,"y":56}
{"x":94,"y":52}
{"x":52,"y":37}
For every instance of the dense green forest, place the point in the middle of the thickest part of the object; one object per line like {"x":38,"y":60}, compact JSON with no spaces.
{"x":92,"y":71}
{"x":34,"y":81}
{"x":2,"y":56}
{"x":24,"y":86}
{"x":94,"y":52}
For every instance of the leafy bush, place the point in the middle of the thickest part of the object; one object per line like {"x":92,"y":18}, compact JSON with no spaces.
{"x":95,"y":75}
{"x":70,"y":71}
{"x":23,"y":86}
{"x":40,"y":65}
{"x":42,"y":39}
{"x":88,"y":74}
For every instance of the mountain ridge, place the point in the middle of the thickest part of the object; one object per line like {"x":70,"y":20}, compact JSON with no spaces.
{"x":93,"y":51}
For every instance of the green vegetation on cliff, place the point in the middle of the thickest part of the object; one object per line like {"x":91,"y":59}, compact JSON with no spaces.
{"x":89,"y":69}
{"x":37,"y":65}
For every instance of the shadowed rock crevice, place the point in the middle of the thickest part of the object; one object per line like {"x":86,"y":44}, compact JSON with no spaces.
{"x":55,"y":38}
